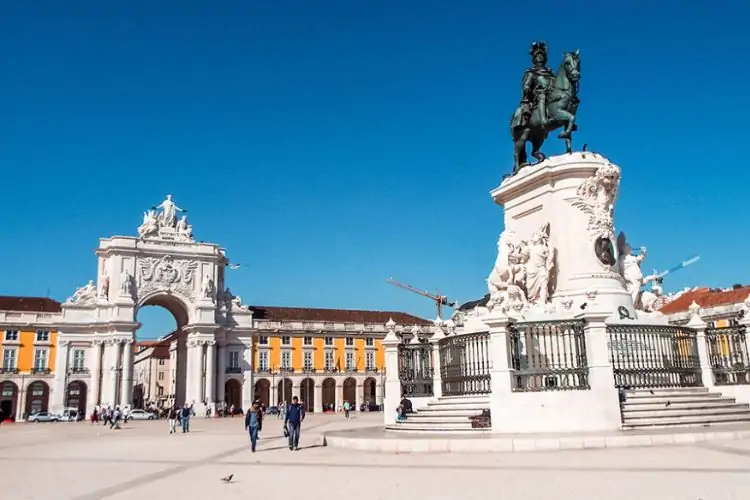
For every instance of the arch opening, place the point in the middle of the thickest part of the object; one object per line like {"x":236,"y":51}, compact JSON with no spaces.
{"x":350,"y":392}
{"x":8,"y":400}
{"x":37,"y":397}
{"x":233,"y":395}
{"x":75,"y":396}
{"x":284,"y":393}
{"x":263,"y":392}
{"x":307,"y":393}
{"x":369,"y":392}
{"x":329,"y":394}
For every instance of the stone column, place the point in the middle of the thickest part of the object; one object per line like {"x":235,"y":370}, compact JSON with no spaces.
{"x":295,"y":390}
{"x":194,"y":394}
{"x":697,"y":323}
{"x":114,"y":370}
{"x":318,"y":396}
{"x":173,"y":371}
{"x":437,"y":384}
{"x":500,"y":374}
{"x":339,"y":395}
{"x":360,"y":395}
{"x":57,"y":397}
{"x":392,"y":383}
{"x":378,"y":392}
{"x":94,"y":396}
{"x":210,"y":373}
{"x":21,"y":402}
{"x":126,"y":384}
{"x":248,"y":383}
{"x":222,"y":373}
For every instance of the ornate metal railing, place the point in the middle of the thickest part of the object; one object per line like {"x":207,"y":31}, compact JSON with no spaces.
{"x":465,"y":364}
{"x":548,"y":356}
{"x":728,"y":355}
{"x":654,"y":356}
{"x":415,"y":369}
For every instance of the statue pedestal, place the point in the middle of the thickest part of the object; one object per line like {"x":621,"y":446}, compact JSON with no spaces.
{"x":575,"y":193}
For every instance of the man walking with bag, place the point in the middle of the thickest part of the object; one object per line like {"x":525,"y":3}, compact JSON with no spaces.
{"x":295,"y":415}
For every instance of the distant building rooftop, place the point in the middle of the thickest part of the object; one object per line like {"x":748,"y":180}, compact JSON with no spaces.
{"x":707,"y":297}
{"x":32,"y":304}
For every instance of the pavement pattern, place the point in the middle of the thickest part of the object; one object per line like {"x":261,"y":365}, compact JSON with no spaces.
{"x":79,"y":461}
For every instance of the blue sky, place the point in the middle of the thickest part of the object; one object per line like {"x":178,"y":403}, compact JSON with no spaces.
{"x":330,"y":145}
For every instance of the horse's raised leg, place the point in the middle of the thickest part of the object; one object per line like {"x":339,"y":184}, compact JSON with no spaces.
{"x":537,"y":140}
{"x":568,"y":145}
{"x":569,"y":120}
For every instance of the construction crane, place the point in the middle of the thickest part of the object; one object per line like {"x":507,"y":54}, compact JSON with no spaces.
{"x":440,"y":300}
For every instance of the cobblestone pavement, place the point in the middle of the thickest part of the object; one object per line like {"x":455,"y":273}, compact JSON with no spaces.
{"x":84,"y":462}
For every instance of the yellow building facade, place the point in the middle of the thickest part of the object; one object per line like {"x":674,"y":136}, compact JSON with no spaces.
{"x":28,"y":354}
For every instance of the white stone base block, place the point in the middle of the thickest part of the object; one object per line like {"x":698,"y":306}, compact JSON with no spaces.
{"x":575,"y":193}
{"x":556,"y":411}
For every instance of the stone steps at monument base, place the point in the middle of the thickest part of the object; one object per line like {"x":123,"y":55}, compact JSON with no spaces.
{"x":688,"y":407}
{"x":736,"y":409}
{"x":445,"y":414}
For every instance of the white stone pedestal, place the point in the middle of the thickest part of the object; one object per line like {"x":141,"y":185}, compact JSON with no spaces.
{"x":575,"y":193}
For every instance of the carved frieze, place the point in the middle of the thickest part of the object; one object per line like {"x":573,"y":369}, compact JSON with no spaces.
{"x":166,"y":274}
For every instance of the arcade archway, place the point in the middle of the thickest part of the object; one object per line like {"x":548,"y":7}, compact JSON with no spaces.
{"x":233,"y":393}
{"x":329,"y":394}
{"x":8,"y":400}
{"x":37,"y":397}
{"x":263,"y":392}
{"x":76,"y":396}
{"x":369,"y":391}
{"x":307,"y":393}
{"x":284,"y":393}
{"x":350,"y":391}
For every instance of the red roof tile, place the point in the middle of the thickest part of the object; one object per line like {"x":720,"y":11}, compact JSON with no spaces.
{"x":274,"y":313}
{"x":706,"y":297}
{"x":36,"y":304}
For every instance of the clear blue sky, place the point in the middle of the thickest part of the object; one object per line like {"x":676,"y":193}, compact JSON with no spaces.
{"x":329,"y":145}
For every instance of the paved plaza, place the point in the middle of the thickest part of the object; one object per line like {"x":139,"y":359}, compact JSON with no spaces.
{"x":84,"y":462}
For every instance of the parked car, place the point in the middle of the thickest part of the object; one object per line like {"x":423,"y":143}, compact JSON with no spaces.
{"x":42,"y":416}
{"x":369,"y":407}
{"x":70,"y":415}
{"x":272,"y":410}
{"x":141,"y":415}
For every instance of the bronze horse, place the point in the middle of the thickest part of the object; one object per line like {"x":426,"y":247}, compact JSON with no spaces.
{"x":562,"y":104}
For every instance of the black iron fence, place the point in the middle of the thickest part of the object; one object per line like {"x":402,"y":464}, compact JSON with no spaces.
{"x":465,"y":364}
{"x":548,"y":356}
{"x":658,"y":356}
{"x":728,"y":355}
{"x":415,"y":369}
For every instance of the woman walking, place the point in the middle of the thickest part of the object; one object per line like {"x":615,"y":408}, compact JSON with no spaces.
{"x":254,"y":424}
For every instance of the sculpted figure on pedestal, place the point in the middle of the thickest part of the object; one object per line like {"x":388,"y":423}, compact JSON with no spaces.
{"x":208,"y":287}
{"x":168,"y":216}
{"x":548,"y":101}
{"x":629,"y":266}
{"x":126,"y":284}
{"x":653,"y":300}
{"x":184,"y":230}
{"x":596,"y":197}
{"x":521,"y":274}
{"x":104,"y":287}
{"x":539,"y":267}
{"x":150,"y":224}
{"x":84,"y":295}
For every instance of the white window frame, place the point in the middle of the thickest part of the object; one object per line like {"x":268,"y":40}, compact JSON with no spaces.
{"x":370,"y":361}
{"x":233,"y":360}
{"x":42,"y":335}
{"x":10,"y":358}
{"x":11,"y":335}
{"x":307,"y":360}
{"x":286,"y":340}
{"x":79,"y":359}
{"x":330,"y":363}
{"x":263,"y":361}
{"x":263,"y":340}
{"x":350,"y":364}
{"x":349,"y":342}
{"x":308,"y":341}
{"x":369,"y":341}
{"x":41,"y":357}
{"x":286,"y":360}
{"x":329,"y":341}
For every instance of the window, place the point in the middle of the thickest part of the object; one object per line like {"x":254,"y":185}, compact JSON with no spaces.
{"x":160,"y":391}
{"x":369,"y":342}
{"x":286,"y":360}
{"x":263,"y":340}
{"x":263,"y":361}
{"x":349,"y":341}
{"x":308,"y":341}
{"x":40,"y":359}
{"x":79,"y":359}
{"x":11,"y":335}
{"x":161,"y":375}
{"x":9,"y":359}
{"x":329,"y":360}
{"x":370,"y":361}
{"x":286,"y":340}
{"x":329,"y":340}
{"x":350,"y":361}
{"x":42,"y":336}
{"x":162,"y":361}
{"x":308,"y":360}
{"x":234,"y":359}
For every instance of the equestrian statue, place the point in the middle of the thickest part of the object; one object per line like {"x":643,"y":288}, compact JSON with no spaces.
{"x":548,"y":102}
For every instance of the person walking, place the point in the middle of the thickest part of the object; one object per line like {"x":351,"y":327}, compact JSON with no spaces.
{"x":347,"y":409}
{"x":254,"y":424}
{"x":295,"y":415}
{"x":172,"y":417}
{"x":185,"y":418}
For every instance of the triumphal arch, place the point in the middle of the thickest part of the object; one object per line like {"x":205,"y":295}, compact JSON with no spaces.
{"x":163,"y":266}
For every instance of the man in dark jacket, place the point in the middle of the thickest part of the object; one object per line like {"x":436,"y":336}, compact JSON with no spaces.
{"x":295,"y":414}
